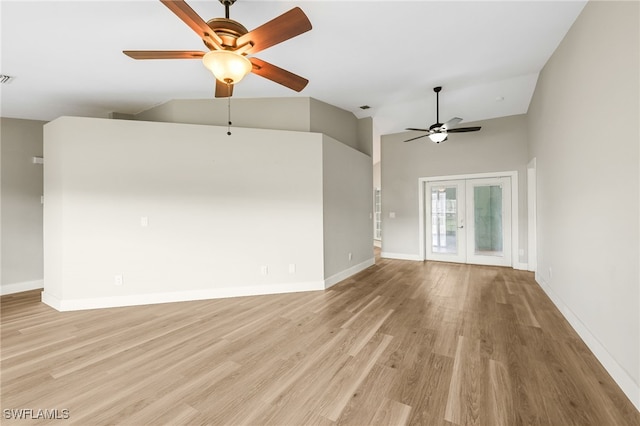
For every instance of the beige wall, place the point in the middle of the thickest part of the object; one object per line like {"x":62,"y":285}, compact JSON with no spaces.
{"x":500,"y":146}
{"x":341,"y":125}
{"x":365,"y":136}
{"x":263,"y":113}
{"x":584,"y":133}
{"x":298,"y":114}
{"x":21,"y":209}
{"x":347,"y":208}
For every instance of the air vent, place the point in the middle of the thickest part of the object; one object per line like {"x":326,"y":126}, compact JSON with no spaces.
{"x":5,"y":79}
{"x":365,"y":107}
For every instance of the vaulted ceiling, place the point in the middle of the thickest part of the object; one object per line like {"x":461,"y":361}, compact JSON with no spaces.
{"x":66,"y":56}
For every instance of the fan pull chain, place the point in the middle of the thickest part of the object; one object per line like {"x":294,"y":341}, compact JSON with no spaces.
{"x":229,"y":109}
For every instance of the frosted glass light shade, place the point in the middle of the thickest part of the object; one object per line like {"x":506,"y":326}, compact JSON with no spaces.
{"x":227,"y":66}
{"x":438,"y":137}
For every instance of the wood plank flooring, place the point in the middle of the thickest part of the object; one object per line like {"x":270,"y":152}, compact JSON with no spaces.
{"x":400,"y":343}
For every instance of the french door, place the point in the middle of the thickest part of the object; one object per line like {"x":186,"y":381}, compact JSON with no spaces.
{"x":469,"y":221}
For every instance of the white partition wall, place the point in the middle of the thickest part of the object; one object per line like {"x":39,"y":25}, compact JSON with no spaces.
{"x":139,"y":212}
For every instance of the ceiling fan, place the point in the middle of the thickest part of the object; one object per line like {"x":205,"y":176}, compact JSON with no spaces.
{"x":438,"y":132}
{"x":229,"y":43}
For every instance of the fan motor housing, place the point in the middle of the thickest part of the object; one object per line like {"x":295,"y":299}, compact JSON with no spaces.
{"x":227,"y":29}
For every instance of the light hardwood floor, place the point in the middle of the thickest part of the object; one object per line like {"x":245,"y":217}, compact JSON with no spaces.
{"x":400,"y":343}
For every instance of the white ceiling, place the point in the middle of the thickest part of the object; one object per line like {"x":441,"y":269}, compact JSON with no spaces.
{"x":66,"y":56}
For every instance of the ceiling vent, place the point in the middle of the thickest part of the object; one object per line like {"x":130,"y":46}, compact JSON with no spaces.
{"x":365,"y":107}
{"x":5,"y":79}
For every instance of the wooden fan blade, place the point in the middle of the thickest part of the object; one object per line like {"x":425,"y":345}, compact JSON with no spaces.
{"x":278,"y":75}
{"x":183,"y":11}
{"x":413,"y":139}
{"x":284,"y":27}
{"x":464,"y":129}
{"x":164,"y":54}
{"x":451,"y":123}
{"x":417,"y":130}
{"x":223,"y":90}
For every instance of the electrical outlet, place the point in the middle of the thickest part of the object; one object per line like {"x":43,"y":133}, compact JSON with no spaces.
{"x":264,"y":270}
{"x":550,"y":273}
{"x":350,"y":256}
{"x":144,"y":221}
{"x":118,"y":280}
{"x":292,"y":268}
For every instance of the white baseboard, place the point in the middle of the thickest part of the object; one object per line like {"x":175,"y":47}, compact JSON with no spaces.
{"x":178,"y":296}
{"x":49,"y":299}
{"x":184,"y":296}
{"x":403,"y":256}
{"x":20,"y":287}
{"x":400,"y":256}
{"x":334,"y":279}
{"x":521,"y":266}
{"x":630,"y":388}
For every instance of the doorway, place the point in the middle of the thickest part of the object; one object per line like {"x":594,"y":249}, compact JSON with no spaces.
{"x":468,"y":219}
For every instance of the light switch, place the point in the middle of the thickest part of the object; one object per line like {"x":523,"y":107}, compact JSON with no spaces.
{"x":392,"y":215}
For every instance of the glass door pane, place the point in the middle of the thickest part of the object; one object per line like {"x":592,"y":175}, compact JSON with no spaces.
{"x":487,"y":210}
{"x":445,"y":236}
{"x":444,"y":220}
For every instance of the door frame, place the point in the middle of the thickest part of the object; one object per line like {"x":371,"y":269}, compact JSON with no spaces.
{"x":507,"y":255}
{"x":532,"y":247}
{"x":422,"y":209}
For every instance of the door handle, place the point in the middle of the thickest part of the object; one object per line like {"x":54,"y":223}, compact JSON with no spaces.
{"x":460,"y":227}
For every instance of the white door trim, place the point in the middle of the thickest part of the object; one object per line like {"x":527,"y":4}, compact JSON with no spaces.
{"x":423,"y":181}
{"x":532,"y":246}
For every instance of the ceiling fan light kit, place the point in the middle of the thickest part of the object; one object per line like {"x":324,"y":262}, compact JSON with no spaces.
{"x":438,"y":132}
{"x":438,"y":137}
{"x":227,"y":66}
